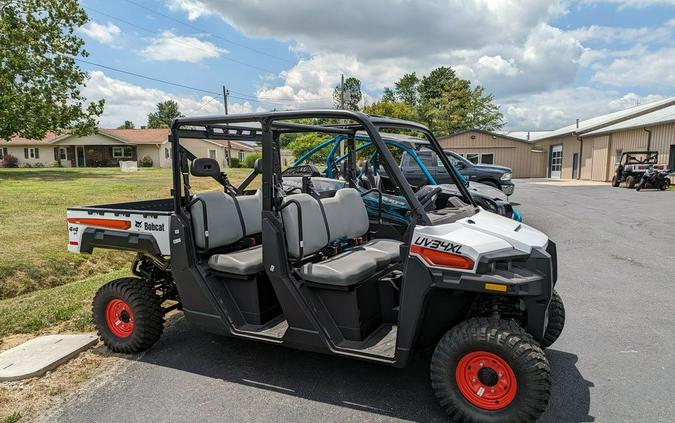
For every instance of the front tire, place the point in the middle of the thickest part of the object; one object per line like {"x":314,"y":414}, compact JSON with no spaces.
{"x":487,"y":370}
{"x":556,"y":320}
{"x":615,"y":182}
{"x":630,"y":182}
{"x":128,"y":315}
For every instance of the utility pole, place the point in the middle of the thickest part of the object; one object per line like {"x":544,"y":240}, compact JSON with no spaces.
{"x":226,"y":92}
{"x":342,"y":92}
{"x":342,"y":107}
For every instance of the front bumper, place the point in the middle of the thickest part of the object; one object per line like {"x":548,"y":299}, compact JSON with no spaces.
{"x":508,"y":188}
{"x":528,"y":277}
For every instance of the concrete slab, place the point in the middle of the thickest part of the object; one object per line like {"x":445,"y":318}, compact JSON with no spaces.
{"x":39,"y":355}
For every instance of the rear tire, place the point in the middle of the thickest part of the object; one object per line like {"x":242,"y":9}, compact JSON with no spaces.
{"x":487,"y":370}
{"x":665,"y":185}
{"x":556,"y":320}
{"x":128,"y":315}
{"x":615,"y":182}
{"x":630,"y":182}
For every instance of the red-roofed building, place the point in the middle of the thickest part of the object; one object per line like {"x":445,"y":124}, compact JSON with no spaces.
{"x":108,"y":147}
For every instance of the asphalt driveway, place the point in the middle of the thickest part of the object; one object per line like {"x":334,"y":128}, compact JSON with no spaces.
{"x":613,"y":363}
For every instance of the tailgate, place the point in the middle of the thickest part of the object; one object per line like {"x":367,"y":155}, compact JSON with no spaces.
{"x":118,"y":229}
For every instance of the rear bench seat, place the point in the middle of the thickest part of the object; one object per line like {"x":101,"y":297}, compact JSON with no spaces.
{"x":346,"y":217}
{"x":227,"y":226}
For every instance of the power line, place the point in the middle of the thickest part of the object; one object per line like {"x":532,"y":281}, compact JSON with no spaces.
{"x":138,"y":75}
{"x":189,"y":25}
{"x":150,"y":31}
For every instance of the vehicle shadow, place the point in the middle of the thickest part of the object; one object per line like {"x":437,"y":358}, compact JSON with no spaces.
{"x":400,"y":393}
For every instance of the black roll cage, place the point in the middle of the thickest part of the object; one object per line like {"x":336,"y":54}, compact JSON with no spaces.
{"x":272,"y":124}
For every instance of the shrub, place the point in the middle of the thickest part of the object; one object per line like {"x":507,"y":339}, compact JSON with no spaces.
{"x":249,"y":161}
{"x":146,"y":161}
{"x":39,"y":164}
{"x":26,"y":165}
{"x":234,"y":162}
{"x":10,"y":161}
{"x":56,"y":164}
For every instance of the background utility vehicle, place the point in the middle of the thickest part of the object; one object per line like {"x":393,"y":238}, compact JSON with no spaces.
{"x":633,"y":164}
{"x":372,"y":175}
{"x":315,"y":273}
{"x":654,"y":178}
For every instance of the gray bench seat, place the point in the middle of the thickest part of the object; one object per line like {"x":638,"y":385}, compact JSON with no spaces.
{"x":242,"y":262}
{"x":343,"y":270}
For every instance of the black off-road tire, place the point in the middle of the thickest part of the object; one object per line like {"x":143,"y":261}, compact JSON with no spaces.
{"x":143,"y":321}
{"x":665,"y":185}
{"x":556,"y":320}
{"x":510,"y":343}
{"x":615,"y":182}
{"x":630,"y":182}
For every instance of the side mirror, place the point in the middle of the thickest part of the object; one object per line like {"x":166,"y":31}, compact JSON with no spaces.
{"x":258,"y":165}
{"x":205,"y":167}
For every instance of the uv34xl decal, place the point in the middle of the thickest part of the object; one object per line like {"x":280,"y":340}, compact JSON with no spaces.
{"x":437,"y":244}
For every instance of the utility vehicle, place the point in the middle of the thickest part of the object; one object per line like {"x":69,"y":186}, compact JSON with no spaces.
{"x":654,"y":178}
{"x":415,"y":166}
{"x":632,"y":165}
{"x":311,"y":272}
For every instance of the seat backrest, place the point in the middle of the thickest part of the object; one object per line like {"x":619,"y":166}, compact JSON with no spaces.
{"x":346,"y":214}
{"x":251,"y":210}
{"x":314,"y":235}
{"x":222,"y":218}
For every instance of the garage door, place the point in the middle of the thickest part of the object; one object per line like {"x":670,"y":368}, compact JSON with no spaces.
{"x":555,"y":163}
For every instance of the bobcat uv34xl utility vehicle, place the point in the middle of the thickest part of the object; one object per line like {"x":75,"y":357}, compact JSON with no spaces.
{"x":314,"y":272}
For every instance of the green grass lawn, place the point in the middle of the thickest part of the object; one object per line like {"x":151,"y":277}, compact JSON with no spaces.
{"x":33,"y":206}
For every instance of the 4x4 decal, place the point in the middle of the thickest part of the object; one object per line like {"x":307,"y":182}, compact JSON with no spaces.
{"x":436,"y":244}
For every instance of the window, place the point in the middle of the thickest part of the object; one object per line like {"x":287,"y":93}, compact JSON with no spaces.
{"x":122,"y":152}
{"x":212,"y":154}
{"x":3,"y":152}
{"x":167,"y":153}
{"x":31,"y":153}
{"x":473,"y":158}
{"x":63,"y":153}
{"x":487,"y":158}
{"x":242,"y":155}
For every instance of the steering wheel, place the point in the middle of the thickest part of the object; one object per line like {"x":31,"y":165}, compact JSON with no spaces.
{"x":425,"y":196}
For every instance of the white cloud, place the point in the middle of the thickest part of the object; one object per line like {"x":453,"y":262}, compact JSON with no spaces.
{"x":653,"y":69}
{"x":126,"y":101}
{"x":194,"y":8}
{"x":168,"y":46}
{"x":622,"y":4}
{"x":106,"y":34}
{"x":557,"y":108}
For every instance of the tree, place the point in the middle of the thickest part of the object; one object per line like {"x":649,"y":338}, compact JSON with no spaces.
{"x":305,"y":142}
{"x":406,"y":89}
{"x":352,"y":94}
{"x":388,"y":95}
{"x":448,"y":104}
{"x":127,"y":125}
{"x":394,"y":109}
{"x":39,"y":80}
{"x":166,"y":112}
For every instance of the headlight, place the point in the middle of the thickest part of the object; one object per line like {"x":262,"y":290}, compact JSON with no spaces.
{"x":506,"y":176}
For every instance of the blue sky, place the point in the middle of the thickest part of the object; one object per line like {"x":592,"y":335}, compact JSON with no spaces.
{"x":547,"y":62}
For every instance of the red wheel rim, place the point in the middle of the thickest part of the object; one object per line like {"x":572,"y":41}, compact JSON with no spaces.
{"x":486,"y":380}
{"x":119,"y":318}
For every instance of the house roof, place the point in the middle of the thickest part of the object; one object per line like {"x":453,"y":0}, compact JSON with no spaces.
{"x":493,"y":134}
{"x":603,"y":121}
{"x":127,"y":136}
{"x":658,"y":117}
{"x":138,"y":136}
{"x":526,"y":135}
{"x":48,"y":139}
